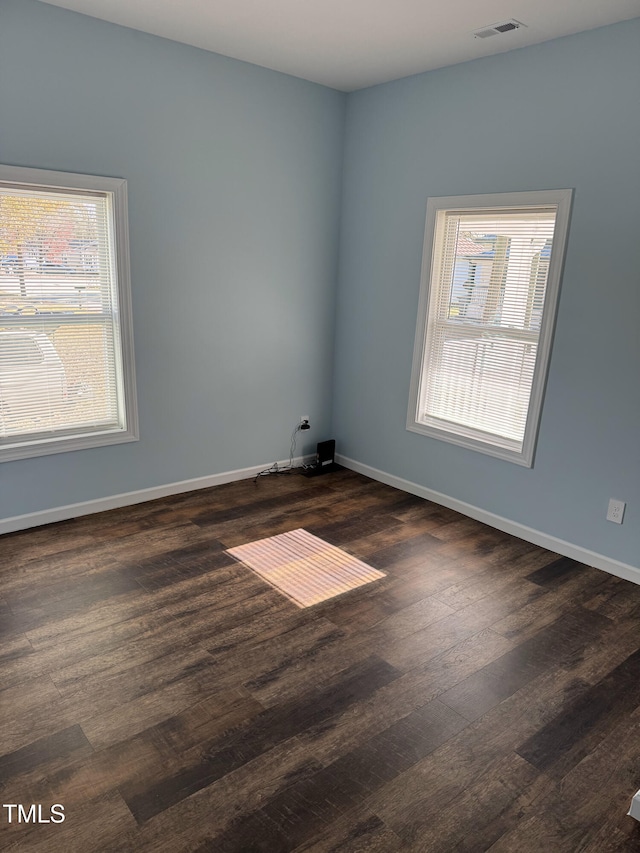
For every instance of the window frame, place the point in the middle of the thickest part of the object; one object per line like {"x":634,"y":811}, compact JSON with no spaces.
{"x":462,"y":436}
{"x":118,"y":234}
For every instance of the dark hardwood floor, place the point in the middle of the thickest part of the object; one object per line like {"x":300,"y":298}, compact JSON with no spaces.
{"x":484,"y":695}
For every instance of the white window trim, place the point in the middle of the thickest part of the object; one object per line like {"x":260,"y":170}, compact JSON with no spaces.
{"x":563,"y":200}
{"x":117,"y":189}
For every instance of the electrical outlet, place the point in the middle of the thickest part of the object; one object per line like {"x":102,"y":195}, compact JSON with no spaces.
{"x":615,"y":512}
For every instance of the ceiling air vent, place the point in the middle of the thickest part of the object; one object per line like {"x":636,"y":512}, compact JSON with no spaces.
{"x":498,"y":29}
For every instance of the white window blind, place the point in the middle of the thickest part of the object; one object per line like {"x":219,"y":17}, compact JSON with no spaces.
{"x":66,"y":355}
{"x":483,"y":337}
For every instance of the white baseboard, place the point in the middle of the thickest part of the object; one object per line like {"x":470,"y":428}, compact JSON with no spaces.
{"x":544,"y":540}
{"x":63,"y":513}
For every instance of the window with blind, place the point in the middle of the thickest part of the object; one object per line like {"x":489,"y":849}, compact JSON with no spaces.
{"x":490,"y":283}
{"x":66,"y":348}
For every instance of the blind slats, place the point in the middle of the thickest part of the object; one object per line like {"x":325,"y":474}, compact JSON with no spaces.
{"x":488,"y":287}
{"x":60,"y":361}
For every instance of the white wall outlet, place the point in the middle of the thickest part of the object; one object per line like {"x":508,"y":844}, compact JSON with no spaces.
{"x":615,"y":512}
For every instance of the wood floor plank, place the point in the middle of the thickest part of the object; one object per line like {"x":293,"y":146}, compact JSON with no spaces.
{"x":261,"y":503}
{"x":354,"y":832}
{"x":574,"y":733}
{"x":479,"y":817}
{"x":122,"y":719}
{"x":261,"y":734}
{"x":475,"y":587}
{"x":312,"y":514}
{"x":23,"y":576}
{"x":83,"y":778}
{"x":14,"y":653}
{"x":593,"y":795}
{"x":333,"y":652}
{"x":556,"y":573}
{"x":408,"y":806}
{"x":290,"y":664}
{"x":207,"y":813}
{"x":616,"y":599}
{"x":31,"y":710}
{"x":555,"y":644}
{"x":537,"y":614}
{"x":66,"y":744}
{"x":253,"y":834}
{"x":375,"y":713}
{"x":463,"y":623}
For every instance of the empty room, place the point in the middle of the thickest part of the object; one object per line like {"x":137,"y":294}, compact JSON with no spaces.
{"x":319,"y":426}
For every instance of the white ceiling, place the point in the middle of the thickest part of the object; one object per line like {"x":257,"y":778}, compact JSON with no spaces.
{"x":349,"y":44}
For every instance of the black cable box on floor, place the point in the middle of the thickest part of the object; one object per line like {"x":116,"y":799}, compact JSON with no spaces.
{"x":325,"y":459}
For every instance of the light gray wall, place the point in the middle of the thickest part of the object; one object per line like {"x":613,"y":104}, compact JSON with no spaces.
{"x":234,"y":191}
{"x":561,"y":114}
